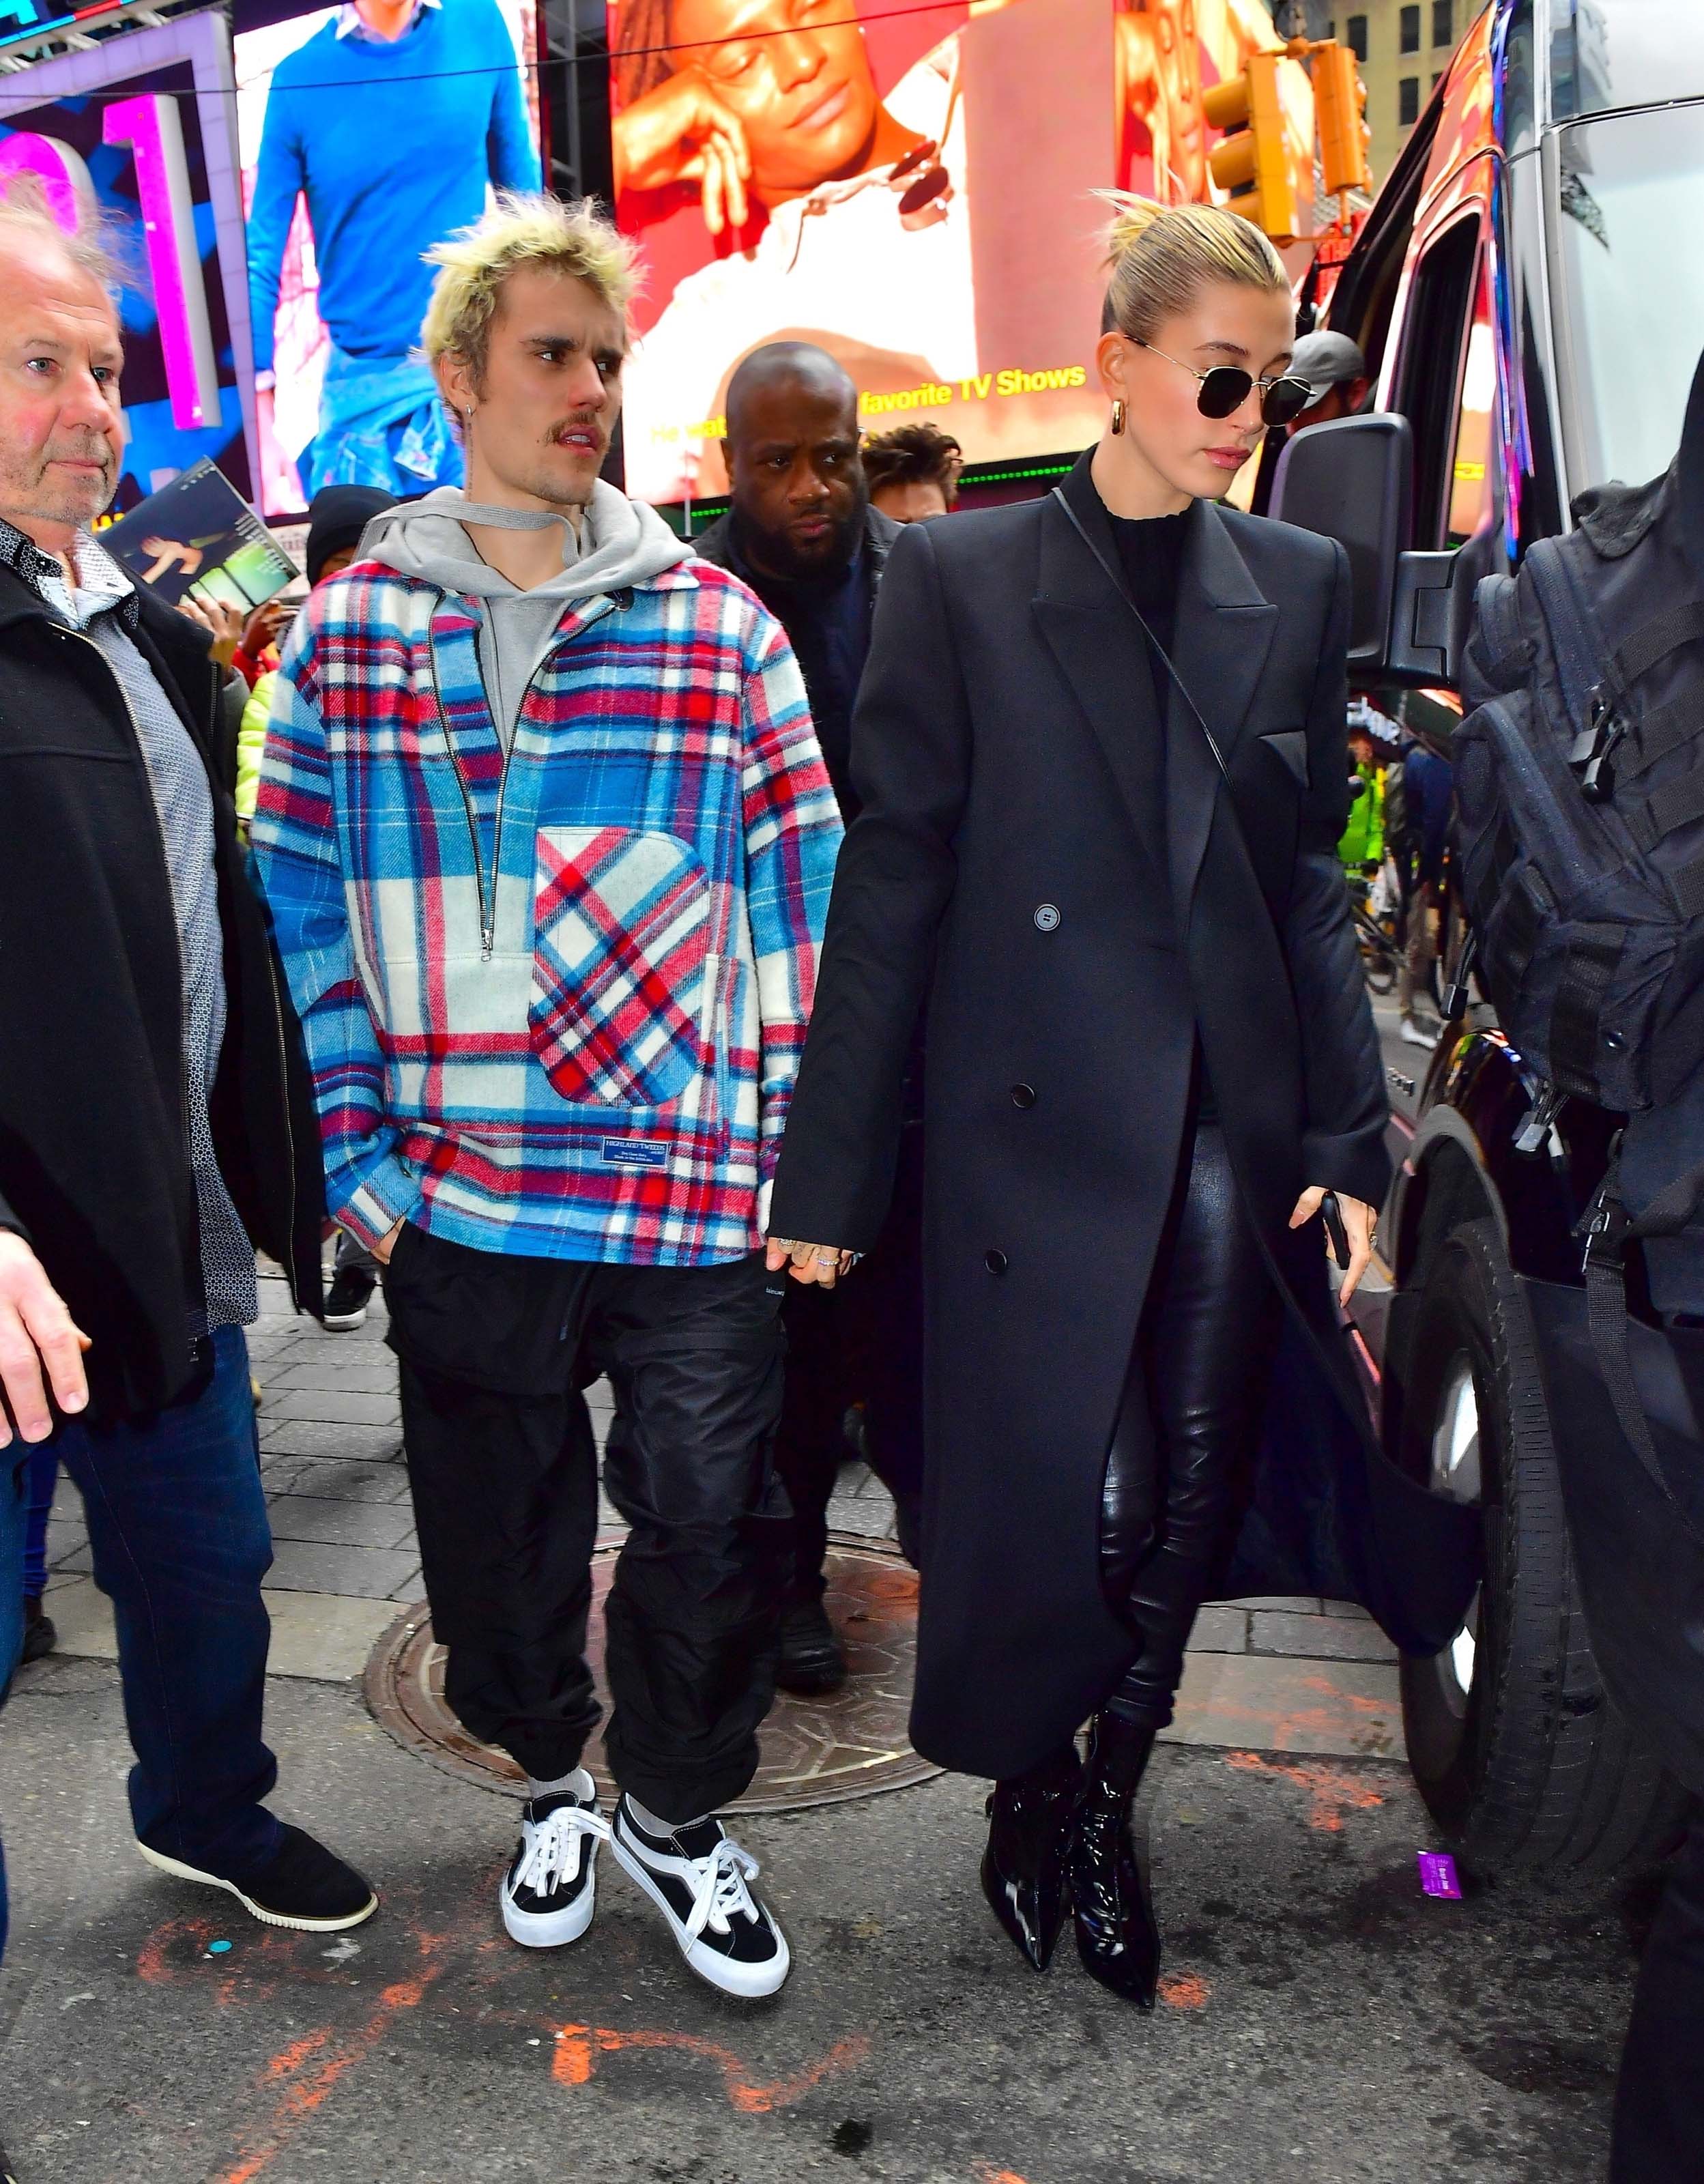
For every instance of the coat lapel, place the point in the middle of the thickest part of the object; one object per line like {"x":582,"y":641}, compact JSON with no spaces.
{"x":1094,"y":639}
{"x":1222,"y":635}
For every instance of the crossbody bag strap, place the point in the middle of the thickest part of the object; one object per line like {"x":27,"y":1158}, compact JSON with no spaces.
{"x":1159,"y":649}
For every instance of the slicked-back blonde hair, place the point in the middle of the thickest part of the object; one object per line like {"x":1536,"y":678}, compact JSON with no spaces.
{"x":1159,"y":257}
{"x":523,"y":228}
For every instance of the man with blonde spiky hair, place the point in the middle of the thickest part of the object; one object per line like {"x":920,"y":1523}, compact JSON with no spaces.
{"x":547,"y":840}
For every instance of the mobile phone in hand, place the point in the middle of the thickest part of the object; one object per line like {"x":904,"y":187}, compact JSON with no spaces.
{"x":1332,"y":1213}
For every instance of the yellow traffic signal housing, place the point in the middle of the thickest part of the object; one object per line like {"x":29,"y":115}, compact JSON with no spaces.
{"x":1254,"y":162}
{"x":1339,"y":101}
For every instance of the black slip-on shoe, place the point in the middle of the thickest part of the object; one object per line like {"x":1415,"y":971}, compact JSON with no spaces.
{"x":813,"y":1660}
{"x":40,"y":1634}
{"x":347,"y":1299}
{"x":302,"y":1884}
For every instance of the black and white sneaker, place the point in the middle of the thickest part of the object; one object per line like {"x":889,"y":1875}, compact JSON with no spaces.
{"x":697,"y":1878}
{"x":550,"y":1891}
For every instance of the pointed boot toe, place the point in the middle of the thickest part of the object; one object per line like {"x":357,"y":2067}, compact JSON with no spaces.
{"x":1118,"y":1935}
{"x":1023,"y":1869}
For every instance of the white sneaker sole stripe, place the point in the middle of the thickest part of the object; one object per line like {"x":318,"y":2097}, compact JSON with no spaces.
{"x":549,"y":1929}
{"x":749,"y":1982}
{"x":182,"y":1872}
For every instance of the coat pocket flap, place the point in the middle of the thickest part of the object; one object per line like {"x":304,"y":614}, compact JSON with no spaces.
{"x":1290,"y":744}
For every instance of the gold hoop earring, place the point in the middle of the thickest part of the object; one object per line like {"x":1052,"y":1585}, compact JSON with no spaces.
{"x":1117,"y":417}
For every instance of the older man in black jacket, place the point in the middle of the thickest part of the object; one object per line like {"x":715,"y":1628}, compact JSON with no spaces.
{"x":802,"y":533}
{"x":155,"y":1123}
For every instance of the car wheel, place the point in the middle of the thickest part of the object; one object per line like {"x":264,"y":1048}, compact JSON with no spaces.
{"x":1520,"y":1754}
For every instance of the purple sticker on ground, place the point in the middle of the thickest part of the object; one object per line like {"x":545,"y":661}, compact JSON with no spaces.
{"x":1438,"y":1873}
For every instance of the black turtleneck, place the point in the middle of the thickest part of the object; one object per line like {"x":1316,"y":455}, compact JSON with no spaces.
{"x":1150,"y":554}
{"x":1150,"y":551}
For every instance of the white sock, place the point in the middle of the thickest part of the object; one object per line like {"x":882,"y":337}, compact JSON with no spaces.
{"x":579,"y":1782}
{"x":652,"y":1825}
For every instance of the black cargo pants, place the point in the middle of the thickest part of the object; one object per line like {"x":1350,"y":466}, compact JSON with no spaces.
{"x":494,"y":1352}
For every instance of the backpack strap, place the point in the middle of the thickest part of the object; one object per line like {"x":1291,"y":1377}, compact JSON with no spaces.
{"x":1655,"y":640}
{"x":1578,"y":642}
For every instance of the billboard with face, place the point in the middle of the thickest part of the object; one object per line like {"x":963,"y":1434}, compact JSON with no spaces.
{"x":370,"y":132}
{"x":914,"y":190}
{"x":138,"y":130}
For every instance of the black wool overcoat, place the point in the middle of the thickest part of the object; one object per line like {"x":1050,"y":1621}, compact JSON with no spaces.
{"x":1004,"y":868}
{"x":94,"y":1161}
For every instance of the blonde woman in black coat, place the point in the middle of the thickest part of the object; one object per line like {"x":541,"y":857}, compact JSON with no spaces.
{"x":1149,"y":1057}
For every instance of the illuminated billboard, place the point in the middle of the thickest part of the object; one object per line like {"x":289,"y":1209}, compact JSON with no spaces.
{"x":369,"y":132}
{"x":140,"y":127}
{"x":912,"y":188}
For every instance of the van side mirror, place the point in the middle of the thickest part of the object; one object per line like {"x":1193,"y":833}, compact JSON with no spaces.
{"x":1351,"y":480}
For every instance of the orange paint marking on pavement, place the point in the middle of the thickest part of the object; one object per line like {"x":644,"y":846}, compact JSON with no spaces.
{"x":579,"y":2046}
{"x":1185,"y":1991}
{"x":1331,"y":1793}
{"x":986,"y":2173}
{"x":314,"y":2081}
{"x":290,"y":2059}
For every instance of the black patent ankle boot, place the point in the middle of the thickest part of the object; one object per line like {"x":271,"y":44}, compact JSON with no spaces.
{"x":1029,"y":1841}
{"x":1117,"y":1935}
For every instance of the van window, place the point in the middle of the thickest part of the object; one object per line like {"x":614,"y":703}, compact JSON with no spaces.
{"x":1631,"y":289}
{"x":1472,"y":500}
{"x":1442,"y":306}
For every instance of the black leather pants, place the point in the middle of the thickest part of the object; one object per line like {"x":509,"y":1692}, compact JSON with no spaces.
{"x":1185,"y":1436}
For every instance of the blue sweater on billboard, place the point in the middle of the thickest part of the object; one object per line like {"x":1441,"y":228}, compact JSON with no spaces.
{"x":392,"y":142}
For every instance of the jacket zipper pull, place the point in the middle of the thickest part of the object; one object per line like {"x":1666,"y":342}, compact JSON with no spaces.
{"x":487,"y":943}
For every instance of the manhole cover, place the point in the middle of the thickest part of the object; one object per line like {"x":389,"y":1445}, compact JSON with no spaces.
{"x":815,"y":1751}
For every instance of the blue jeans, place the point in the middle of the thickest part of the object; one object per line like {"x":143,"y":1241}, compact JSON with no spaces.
{"x":178,"y":1531}
{"x":14,"y":1518}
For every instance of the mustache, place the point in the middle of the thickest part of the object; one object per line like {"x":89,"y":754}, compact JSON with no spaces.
{"x":584,"y":421}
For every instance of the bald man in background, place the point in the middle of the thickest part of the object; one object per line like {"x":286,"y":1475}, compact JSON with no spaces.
{"x":802,"y":534}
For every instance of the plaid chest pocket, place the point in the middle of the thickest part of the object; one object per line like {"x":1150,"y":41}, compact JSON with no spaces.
{"x":621,"y":943}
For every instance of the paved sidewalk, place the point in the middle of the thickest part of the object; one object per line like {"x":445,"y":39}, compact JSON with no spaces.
{"x":1322,"y":2020}
{"x":1288,"y":1674}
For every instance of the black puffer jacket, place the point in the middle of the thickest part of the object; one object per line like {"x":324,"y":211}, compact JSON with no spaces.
{"x":94,"y":1165}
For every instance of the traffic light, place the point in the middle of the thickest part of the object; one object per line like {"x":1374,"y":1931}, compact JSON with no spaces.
{"x":1339,"y":101}
{"x":1254,"y":162}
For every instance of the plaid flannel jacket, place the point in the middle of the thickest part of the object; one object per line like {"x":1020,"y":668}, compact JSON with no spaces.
{"x":554,"y":1004}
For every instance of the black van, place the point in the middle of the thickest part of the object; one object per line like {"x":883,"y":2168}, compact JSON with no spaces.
{"x":1529,"y":291}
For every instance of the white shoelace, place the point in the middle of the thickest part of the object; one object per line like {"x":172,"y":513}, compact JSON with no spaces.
{"x":721,"y":1890}
{"x":557,"y":1846}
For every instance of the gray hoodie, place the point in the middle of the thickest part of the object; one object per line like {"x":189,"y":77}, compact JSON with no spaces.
{"x":621,"y":543}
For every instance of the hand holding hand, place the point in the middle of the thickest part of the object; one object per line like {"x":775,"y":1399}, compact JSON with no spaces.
{"x":37,"y":1335}
{"x":821,"y":1263}
{"x":1359,"y":1221}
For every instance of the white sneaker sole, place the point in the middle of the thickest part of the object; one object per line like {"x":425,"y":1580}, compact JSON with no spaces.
{"x":340,"y":1323}
{"x":548,"y":1929}
{"x":181,"y":1872}
{"x":749,"y":1982}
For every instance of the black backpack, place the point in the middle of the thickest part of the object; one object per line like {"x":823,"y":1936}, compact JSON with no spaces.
{"x":1579,"y":783}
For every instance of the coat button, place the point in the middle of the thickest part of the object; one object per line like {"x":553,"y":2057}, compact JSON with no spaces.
{"x":996,"y":1261}
{"x":1023,"y":1095}
{"x":1047,"y":918}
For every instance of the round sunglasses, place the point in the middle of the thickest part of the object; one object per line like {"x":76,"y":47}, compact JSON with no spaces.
{"x":1224,"y":388}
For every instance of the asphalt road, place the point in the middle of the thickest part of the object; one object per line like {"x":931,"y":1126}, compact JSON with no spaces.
{"x":1324,"y":2022}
